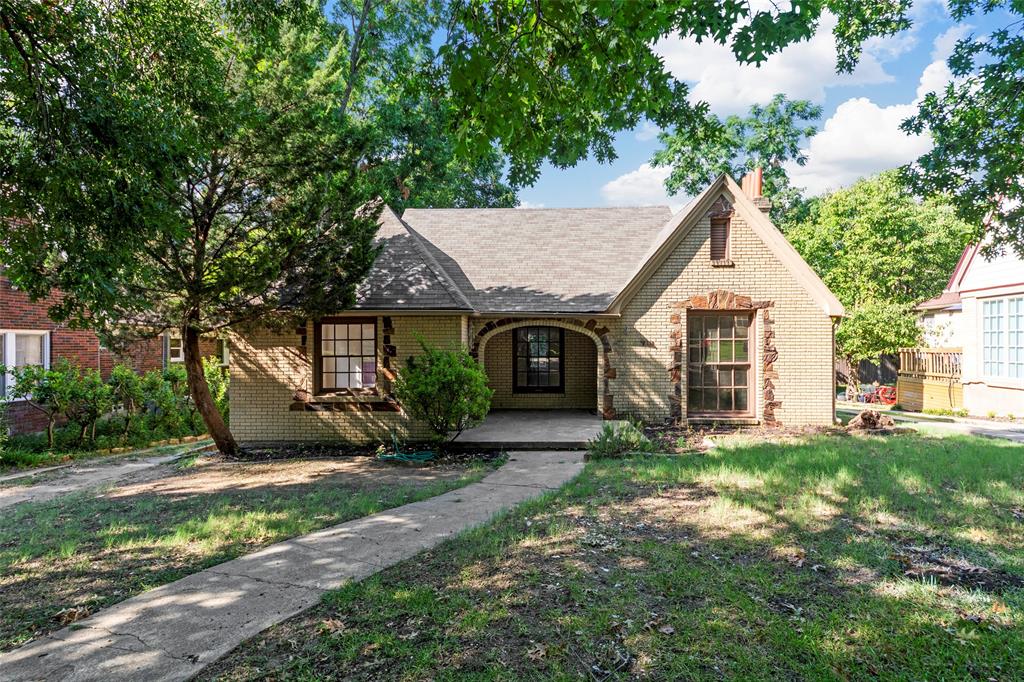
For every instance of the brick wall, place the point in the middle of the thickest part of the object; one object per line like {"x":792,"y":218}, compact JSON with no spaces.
{"x":269,"y":367}
{"x":803,"y":332}
{"x":80,"y":347}
{"x":580,"y":358}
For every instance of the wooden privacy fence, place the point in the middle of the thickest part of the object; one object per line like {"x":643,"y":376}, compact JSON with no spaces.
{"x":929,"y":379}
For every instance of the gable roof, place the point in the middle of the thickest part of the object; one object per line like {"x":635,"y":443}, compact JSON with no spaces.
{"x":681,"y":223}
{"x":404,"y":276}
{"x":537,"y":260}
{"x":556,"y":261}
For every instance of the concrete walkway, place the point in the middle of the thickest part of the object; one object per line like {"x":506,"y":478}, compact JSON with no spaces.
{"x":80,"y":477}
{"x":533,"y":430}
{"x":172,"y":632}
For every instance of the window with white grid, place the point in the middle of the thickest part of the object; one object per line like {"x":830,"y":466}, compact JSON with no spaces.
{"x":347,"y":354}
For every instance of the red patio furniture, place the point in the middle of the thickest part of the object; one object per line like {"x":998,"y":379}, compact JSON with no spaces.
{"x":886,"y":395}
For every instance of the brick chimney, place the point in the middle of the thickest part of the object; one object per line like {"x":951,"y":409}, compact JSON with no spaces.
{"x":751,"y":184}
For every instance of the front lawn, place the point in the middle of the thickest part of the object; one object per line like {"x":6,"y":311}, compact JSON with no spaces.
{"x":64,"y":559}
{"x":828,"y":557}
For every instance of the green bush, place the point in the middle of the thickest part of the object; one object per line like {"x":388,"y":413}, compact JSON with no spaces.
{"x":446,"y":389}
{"x":619,"y":439}
{"x":91,"y":399}
{"x":163,"y":407}
{"x":126,"y":387}
{"x":217,"y":380}
{"x":50,"y":391}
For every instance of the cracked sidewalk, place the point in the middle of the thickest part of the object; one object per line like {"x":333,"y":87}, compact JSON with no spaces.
{"x":174,"y":631}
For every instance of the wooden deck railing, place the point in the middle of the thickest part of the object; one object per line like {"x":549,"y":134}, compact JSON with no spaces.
{"x":931,"y":363}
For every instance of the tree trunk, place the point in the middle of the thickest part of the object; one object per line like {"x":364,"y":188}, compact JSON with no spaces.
{"x":854,"y":378}
{"x":49,"y":430}
{"x":201,"y":397}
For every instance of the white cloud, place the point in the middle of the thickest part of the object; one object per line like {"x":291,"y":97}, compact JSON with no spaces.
{"x":862,"y":138}
{"x":529,"y":204}
{"x":647,"y":131}
{"x":946,"y":41}
{"x":644,"y":186}
{"x":802,"y":71}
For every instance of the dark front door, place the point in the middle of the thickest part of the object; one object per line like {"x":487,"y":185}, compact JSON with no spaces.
{"x":719,"y":364}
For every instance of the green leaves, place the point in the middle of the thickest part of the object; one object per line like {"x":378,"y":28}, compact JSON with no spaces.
{"x":770,"y":136}
{"x":445,"y":389}
{"x":881,"y":251}
{"x":977,"y":124}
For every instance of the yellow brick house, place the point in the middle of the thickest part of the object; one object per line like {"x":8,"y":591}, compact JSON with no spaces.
{"x":708,"y":314}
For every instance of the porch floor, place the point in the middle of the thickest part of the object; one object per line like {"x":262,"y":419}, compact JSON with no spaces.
{"x":533,"y":430}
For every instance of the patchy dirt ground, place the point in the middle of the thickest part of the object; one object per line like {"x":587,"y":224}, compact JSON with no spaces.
{"x":66,"y":558}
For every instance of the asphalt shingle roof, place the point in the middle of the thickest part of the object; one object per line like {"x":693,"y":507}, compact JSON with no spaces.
{"x":404,"y":276}
{"x":536,"y":260}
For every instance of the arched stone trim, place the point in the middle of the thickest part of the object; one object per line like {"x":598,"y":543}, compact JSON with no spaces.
{"x":599,"y":334}
{"x":724,"y":300}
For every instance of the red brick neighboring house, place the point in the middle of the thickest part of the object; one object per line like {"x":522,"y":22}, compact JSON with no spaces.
{"x":29,"y":336}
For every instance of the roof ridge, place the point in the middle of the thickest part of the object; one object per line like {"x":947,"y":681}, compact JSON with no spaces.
{"x":549,"y":208}
{"x":442,"y":275}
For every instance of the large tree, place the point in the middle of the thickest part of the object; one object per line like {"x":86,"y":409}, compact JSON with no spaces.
{"x":881,"y":251}
{"x":769,"y":137}
{"x":977,"y":125}
{"x":199,"y":164}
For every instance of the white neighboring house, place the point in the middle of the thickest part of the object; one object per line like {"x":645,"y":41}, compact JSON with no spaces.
{"x":982,"y":311}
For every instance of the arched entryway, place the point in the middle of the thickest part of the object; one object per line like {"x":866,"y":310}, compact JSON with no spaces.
{"x":546,"y":364}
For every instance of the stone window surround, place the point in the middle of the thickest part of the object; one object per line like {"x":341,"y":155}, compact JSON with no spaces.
{"x":729,"y":302}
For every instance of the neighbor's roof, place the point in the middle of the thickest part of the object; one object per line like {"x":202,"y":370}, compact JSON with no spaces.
{"x":947,"y":299}
{"x":511,"y":260}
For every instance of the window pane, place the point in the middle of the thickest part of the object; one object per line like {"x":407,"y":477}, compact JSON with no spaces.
{"x":695,"y":354}
{"x":693,"y":399}
{"x":536,"y":361}
{"x":329,"y":365}
{"x":28,"y":349}
{"x":724,"y":399}
{"x":695,"y":328}
{"x":710,"y":399}
{"x":327,"y":347}
{"x":367,"y":331}
{"x":718,"y":369}
{"x":741,"y":399}
{"x":342,"y":381}
{"x":328,"y":331}
{"x":725,"y":354}
{"x":354,"y":331}
{"x":368,"y":347}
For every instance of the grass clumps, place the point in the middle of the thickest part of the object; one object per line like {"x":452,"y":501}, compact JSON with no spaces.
{"x":619,"y":439}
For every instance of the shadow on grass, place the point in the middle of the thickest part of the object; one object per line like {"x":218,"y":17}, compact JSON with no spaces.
{"x":63,"y":559}
{"x":835,"y":557}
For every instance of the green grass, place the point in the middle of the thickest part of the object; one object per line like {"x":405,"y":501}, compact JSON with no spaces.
{"x":835,"y":557}
{"x":84,"y":552}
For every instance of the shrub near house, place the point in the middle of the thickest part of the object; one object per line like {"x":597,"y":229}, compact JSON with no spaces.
{"x":127,"y":410}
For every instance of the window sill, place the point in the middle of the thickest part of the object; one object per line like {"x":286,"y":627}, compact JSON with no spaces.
{"x":724,"y":263}
{"x":520,"y":391}
{"x":369,"y":402}
{"x":347,"y":394}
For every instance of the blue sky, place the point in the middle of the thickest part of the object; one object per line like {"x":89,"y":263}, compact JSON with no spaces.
{"x":858,"y":133}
